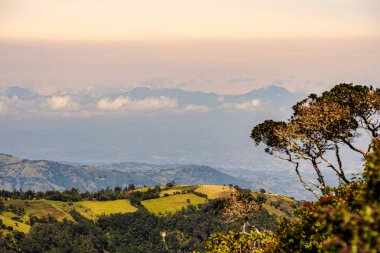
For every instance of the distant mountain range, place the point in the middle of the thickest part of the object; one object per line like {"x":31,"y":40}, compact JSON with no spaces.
{"x":43,"y":175}
{"x":156,"y":126}
{"x":275,"y":95}
{"x":16,"y":102}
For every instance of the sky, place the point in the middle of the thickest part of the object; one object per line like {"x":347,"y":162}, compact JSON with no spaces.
{"x":78,"y":59}
{"x":166,"y":20}
{"x":225,"y":46}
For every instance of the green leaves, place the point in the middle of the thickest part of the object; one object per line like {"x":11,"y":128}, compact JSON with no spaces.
{"x":253,"y":241}
{"x":347,"y":218}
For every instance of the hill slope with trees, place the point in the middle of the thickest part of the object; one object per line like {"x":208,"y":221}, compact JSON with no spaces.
{"x":120,"y":220}
{"x":42,"y":175}
{"x":344,"y":218}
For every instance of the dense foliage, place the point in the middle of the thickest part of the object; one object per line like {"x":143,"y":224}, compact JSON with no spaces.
{"x":320,"y":127}
{"x":345,"y":218}
{"x":252,"y":241}
{"x":74,"y":194}
{"x":141,"y":231}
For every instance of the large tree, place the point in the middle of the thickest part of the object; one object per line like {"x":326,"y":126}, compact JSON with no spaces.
{"x":320,"y":127}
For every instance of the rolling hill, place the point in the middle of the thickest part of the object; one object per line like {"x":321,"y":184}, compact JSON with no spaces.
{"x":171,"y":201}
{"x":41,"y":175}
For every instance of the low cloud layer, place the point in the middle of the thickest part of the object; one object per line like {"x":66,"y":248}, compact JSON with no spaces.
{"x":134,"y":105}
{"x":18,"y":102}
{"x":251,"y":105}
{"x":62,"y":103}
{"x":196,"y":108}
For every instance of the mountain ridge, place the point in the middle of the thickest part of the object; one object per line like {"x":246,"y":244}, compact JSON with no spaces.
{"x":37,"y":175}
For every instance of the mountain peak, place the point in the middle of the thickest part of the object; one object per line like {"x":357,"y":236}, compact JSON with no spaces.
{"x":18,"y":91}
{"x":271,"y":89}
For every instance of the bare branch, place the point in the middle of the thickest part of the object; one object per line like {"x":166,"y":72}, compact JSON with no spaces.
{"x":349,"y":144}
{"x":321,"y":179}
{"x":303,"y":182}
{"x":339,"y":173}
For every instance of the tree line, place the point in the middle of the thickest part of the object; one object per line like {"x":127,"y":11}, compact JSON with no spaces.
{"x":141,"y":231}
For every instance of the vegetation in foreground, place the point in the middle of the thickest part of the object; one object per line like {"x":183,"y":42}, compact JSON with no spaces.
{"x":171,"y":218}
{"x":345,"y":218}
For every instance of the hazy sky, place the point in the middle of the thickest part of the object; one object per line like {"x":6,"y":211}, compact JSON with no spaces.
{"x":227,"y":46}
{"x":163,"y":20}
{"x":82,"y":55}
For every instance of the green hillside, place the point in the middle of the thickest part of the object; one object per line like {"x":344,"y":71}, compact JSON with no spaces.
{"x":60,"y":210}
{"x":215,"y":191}
{"x":172,"y":204}
{"x":17,"y":212}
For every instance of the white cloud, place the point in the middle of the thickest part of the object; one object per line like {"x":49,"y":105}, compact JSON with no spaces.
{"x":128,"y":104}
{"x":3,"y":107}
{"x":148,"y":104}
{"x":111,"y":105}
{"x":244,"y":106}
{"x":15,"y":106}
{"x":255,"y":102}
{"x":196,"y":108}
{"x":59,"y":103}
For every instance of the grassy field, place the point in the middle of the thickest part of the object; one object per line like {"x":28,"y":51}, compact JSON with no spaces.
{"x":171,"y":204}
{"x":278,"y":205}
{"x":93,"y":209}
{"x":215,"y":191}
{"x":60,"y":210}
{"x":144,"y":189}
{"x":6,"y":217}
{"x":178,"y":189}
{"x":170,"y":192}
{"x":42,"y":208}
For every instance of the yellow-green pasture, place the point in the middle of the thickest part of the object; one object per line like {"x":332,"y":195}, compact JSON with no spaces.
{"x":215,"y":191}
{"x":94,"y":209}
{"x":171,"y":204}
{"x":170,"y":192}
{"x":144,"y":189}
{"x":41,"y":208}
{"x":18,"y":226}
{"x":178,"y":189}
{"x":61,"y":210}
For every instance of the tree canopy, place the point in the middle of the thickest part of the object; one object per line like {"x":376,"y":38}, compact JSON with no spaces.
{"x":345,"y":218}
{"x":320,"y":126}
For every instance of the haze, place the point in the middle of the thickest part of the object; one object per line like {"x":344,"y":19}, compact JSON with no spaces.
{"x":74,"y":64}
{"x":222,"y":46}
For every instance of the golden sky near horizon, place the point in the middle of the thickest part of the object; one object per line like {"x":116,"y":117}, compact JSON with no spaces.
{"x":184,"y":20}
{"x":227,"y":46}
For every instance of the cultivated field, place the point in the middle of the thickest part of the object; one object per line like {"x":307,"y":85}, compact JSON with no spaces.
{"x":93,"y":209}
{"x":171,"y":204}
{"x":215,"y":191}
{"x":180,"y":196}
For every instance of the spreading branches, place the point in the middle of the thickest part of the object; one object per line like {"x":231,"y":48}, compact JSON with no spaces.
{"x":303,"y":182}
{"x":319,"y":126}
